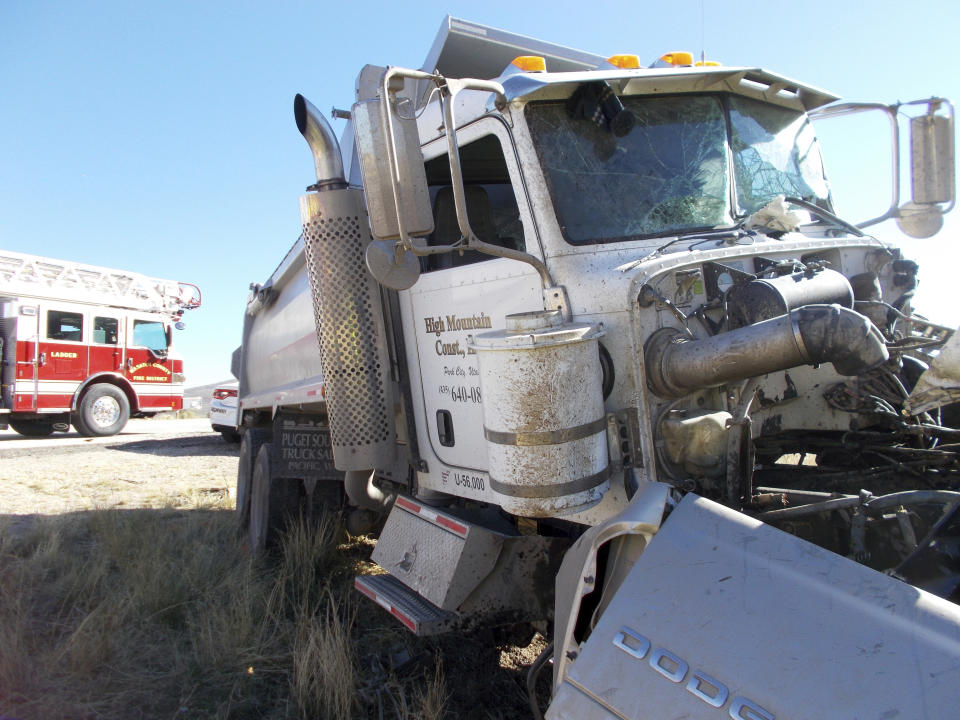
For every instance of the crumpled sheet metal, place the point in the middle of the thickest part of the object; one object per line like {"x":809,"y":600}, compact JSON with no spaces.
{"x":939,"y":385}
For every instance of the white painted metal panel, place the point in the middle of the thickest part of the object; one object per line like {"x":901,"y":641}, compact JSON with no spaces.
{"x":721,"y":606}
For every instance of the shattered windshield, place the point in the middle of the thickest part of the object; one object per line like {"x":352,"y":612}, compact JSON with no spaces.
{"x":775,"y":152}
{"x":669,"y":171}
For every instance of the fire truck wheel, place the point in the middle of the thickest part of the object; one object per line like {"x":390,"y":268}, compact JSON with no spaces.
{"x":104,"y":410}
{"x":32,"y":428}
{"x":272,"y":502}
{"x":250,"y":443}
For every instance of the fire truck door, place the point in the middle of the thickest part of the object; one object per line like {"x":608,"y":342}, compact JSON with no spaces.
{"x":63,"y":356}
{"x":106,"y":344}
{"x":147,"y":365}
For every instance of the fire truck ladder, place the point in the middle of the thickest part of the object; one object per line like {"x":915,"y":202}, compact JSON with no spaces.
{"x":39,"y":277}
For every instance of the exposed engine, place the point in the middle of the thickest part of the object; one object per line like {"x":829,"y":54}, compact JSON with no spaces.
{"x":748,"y":411}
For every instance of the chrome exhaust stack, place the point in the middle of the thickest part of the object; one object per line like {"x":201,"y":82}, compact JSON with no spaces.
{"x":323,"y":144}
{"x":348,"y":311}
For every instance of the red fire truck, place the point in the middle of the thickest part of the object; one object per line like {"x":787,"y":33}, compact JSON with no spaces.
{"x":86,"y":345}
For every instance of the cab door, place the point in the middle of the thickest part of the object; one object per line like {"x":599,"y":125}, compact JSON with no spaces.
{"x":63,"y":356}
{"x":106,"y":342}
{"x":460,"y":295}
{"x":147,"y":365}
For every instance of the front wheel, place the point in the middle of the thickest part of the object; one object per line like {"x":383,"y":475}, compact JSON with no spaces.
{"x":104,"y":410}
{"x":32,"y":428}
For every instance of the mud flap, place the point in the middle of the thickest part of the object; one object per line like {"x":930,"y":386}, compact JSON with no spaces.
{"x":724,"y":616}
{"x":301,"y":449}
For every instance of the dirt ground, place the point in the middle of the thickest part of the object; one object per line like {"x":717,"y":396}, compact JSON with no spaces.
{"x":66,"y":472}
{"x":157,"y":464}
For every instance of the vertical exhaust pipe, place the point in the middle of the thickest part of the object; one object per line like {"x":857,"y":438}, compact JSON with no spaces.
{"x":323,"y":144}
{"x":348,"y":310}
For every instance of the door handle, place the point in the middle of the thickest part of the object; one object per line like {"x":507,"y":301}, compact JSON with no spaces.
{"x":42,"y":360}
{"x":129,"y":363}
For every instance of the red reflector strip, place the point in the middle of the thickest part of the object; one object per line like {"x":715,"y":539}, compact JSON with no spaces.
{"x":404,"y":619}
{"x":451,"y":525}
{"x":364,"y":589}
{"x":385,"y":605}
{"x":407,"y":505}
{"x":434,"y":517}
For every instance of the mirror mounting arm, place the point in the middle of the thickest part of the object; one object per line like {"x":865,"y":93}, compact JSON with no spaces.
{"x":470,"y":241}
{"x":391,"y":84}
{"x":853,"y":108}
{"x":923,"y":173}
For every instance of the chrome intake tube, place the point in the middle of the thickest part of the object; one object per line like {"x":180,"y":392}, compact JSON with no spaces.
{"x":361,"y":492}
{"x":323,"y":143}
{"x":813,"y":334}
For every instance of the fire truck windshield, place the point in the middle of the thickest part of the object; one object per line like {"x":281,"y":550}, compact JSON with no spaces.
{"x":688,"y":163}
{"x":151,"y":335}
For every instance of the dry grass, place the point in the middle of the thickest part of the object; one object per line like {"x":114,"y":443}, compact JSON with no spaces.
{"x":159,"y":613}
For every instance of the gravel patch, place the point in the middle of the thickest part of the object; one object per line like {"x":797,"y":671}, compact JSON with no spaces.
{"x":179,"y":465}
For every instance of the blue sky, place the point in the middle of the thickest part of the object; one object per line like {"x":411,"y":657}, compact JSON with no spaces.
{"x":159,"y":137}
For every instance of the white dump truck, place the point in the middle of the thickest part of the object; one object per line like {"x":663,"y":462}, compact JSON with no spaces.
{"x":592,"y":339}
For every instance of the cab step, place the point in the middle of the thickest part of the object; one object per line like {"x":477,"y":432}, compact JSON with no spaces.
{"x":448,"y":568}
{"x":420,"y":616}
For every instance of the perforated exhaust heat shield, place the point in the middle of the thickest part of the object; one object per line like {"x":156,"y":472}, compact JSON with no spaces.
{"x":350,"y":329}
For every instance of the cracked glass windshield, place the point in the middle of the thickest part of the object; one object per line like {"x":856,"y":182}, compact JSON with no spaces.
{"x":775,"y":152}
{"x":670,"y":172}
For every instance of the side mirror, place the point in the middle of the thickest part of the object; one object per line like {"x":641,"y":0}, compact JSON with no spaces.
{"x":398,"y":203}
{"x":932,"y":162}
{"x":932,"y":172}
{"x":394,"y":186}
{"x":932,"y":157}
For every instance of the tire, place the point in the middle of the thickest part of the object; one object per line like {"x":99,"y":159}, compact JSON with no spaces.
{"x":273,"y":501}
{"x":250,"y":443}
{"x":103,"y":410}
{"x":32,"y":428}
{"x":328,"y":498}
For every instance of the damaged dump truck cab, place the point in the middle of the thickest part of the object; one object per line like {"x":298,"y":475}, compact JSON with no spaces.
{"x":592,"y":338}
